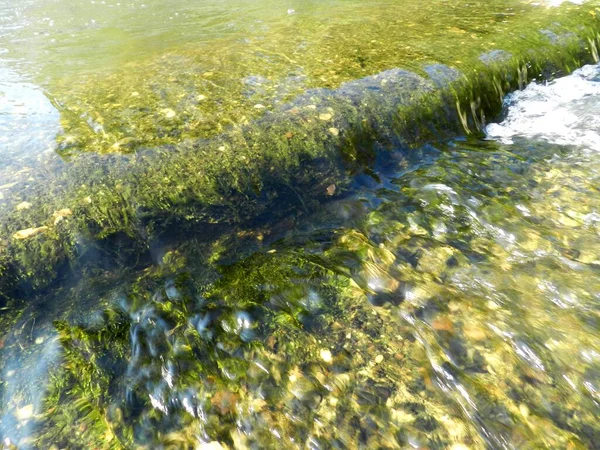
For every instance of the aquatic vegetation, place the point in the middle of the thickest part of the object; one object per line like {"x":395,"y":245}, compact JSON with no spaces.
{"x":297,"y":255}
{"x":422,"y":318}
{"x":284,"y":160}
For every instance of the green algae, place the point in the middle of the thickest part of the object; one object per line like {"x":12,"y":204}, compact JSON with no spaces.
{"x":361,"y":332}
{"x":268,"y":167}
{"x":120,"y":206}
{"x":207,"y":88}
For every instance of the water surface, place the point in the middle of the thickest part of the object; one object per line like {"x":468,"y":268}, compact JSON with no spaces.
{"x":450,"y":300}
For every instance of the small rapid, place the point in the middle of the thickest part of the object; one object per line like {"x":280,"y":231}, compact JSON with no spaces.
{"x":565,"y":111}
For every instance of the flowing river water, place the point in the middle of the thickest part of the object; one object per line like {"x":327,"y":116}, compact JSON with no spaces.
{"x":447,"y":297}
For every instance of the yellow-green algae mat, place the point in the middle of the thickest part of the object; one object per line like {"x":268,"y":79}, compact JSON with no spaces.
{"x":350,"y":375}
{"x":226,"y":129}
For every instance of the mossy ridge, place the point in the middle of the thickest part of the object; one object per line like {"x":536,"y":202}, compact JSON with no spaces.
{"x":261,"y":167}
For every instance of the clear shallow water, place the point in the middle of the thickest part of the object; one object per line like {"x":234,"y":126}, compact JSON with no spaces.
{"x":125,"y":75}
{"x":451,"y":301}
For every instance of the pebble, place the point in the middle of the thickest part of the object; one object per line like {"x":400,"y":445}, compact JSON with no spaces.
{"x":379,"y":359}
{"x":201,"y":97}
{"x":39,"y":340}
{"x":492,"y":305}
{"x":334,"y":131}
{"x":259,"y":106}
{"x":326,"y":355}
{"x":23,"y":205}
{"x":442,"y":324}
{"x":474,"y":332}
{"x":24,"y":413}
{"x":325,"y":116}
{"x":168,"y":113}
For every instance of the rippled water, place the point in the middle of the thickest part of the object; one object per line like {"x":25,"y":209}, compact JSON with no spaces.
{"x":452,"y":300}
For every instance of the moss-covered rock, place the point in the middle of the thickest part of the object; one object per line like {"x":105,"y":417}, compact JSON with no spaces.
{"x":292,"y":158}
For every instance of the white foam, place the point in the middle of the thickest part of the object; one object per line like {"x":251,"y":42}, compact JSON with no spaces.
{"x":565,"y":111}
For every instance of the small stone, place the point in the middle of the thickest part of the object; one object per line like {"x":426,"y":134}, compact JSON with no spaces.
{"x":24,"y":413}
{"x":29,"y":232}
{"x":259,"y":106}
{"x":224,"y":401}
{"x":168,"y":113}
{"x":524,"y":410}
{"x":135,"y":94}
{"x":442,"y":324}
{"x":330,"y":189}
{"x":311,"y":107}
{"x":325,"y":116}
{"x":221,"y":148}
{"x":326,"y":355}
{"x":491,"y":304}
{"x":23,"y":205}
{"x":379,"y":359}
{"x":200,"y":97}
{"x":474,"y":332}
{"x":334,"y":131}
{"x":39,"y":340}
